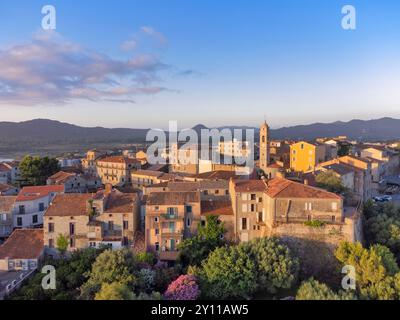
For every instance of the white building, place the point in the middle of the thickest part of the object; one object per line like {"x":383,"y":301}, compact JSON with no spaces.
{"x":31,"y":203}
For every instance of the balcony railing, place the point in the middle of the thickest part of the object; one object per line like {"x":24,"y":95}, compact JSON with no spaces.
{"x":170,"y":216}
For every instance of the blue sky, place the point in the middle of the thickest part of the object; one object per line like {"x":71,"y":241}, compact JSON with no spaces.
{"x":141,"y":63}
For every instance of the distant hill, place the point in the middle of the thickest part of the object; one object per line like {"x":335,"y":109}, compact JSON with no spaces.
{"x":41,"y":132}
{"x":50,"y":131}
{"x":379,"y":129}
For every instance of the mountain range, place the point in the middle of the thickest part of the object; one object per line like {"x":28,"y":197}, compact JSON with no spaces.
{"x":43,"y":132}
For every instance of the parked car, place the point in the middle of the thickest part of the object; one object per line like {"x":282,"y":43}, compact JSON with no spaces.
{"x":383,"y":199}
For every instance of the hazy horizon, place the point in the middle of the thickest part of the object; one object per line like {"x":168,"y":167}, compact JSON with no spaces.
{"x":199,"y":62}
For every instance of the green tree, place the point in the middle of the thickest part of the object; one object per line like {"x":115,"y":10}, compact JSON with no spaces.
{"x":382,"y":226}
{"x":194,"y":250}
{"x":240,"y":271}
{"x":314,"y":290}
{"x":344,"y":150}
{"x":110,"y":266}
{"x":36,"y":170}
{"x":70,"y":276}
{"x":328,"y":180}
{"x":377,"y":273}
{"x":114,"y":291}
{"x":62,"y":244}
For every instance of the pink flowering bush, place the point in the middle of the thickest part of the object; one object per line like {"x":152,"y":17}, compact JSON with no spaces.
{"x":183,"y":288}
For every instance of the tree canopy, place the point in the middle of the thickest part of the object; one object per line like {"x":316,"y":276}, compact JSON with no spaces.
{"x":116,"y":266}
{"x":314,"y":290}
{"x":382,"y":226}
{"x":328,"y":180}
{"x":36,"y":170}
{"x":377,"y":273}
{"x":194,"y":250}
{"x":114,"y":291}
{"x":241,"y":271}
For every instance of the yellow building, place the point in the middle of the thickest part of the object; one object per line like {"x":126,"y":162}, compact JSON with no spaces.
{"x":305,"y":156}
{"x":117,"y":170}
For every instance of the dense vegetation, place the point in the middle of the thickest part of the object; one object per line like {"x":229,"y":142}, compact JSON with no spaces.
{"x":211,"y":268}
{"x":35,"y":170}
{"x":330,"y":181}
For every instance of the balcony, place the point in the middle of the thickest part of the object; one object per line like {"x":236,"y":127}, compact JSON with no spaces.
{"x":170,"y":216}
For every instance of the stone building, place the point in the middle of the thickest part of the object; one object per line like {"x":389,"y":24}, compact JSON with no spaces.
{"x":117,"y":170}
{"x":108,"y":217}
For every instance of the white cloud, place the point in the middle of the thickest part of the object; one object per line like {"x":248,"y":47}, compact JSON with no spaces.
{"x":50,"y":69}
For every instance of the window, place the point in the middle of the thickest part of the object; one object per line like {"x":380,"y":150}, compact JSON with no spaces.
{"x":244,"y":207}
{"x":51,"y":227}
{"x":203,"y":223}
{"x":172,"y":210}
{"x":110,"y":225}
{"x":157,"y":245}
{"x":21,"y":209}
{"x":188,"y":222}
{"x":260,"y":217}
{"x":308,"y":206}
{"x":19,"y":222}
{"x":216,"y":191}
{"x":155,"y":219}
{"x":302,"y":146}
{"x":126,"y":225}
{"x":253,"y":197}
{"x":157,"y":232}
{"x":41,"y":206}
{"x":188,"y":209}
{"x":71,"y":229}
{"x":35,"y":219}
{"x":51,"y":243}
{"x":334,"y":206}
{"x":157,"y":208}
{"x":72,"y":242}
{"x":244,"y":223}
{"x":244,"y":197}
{"x":333,"y":218}
{"x":252,"y":207}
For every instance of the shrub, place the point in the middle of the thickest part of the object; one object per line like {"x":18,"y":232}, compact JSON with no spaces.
{"x":183,"y":288}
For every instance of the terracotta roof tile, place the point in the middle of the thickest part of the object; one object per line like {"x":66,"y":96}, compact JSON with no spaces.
{"x":23,"y":244}
{"x":6,"y":203}
{"x":218,"y":208}
{"x":33,"y":193}
{"x":119,"y":159}
{"x":61,"y":176}
{"x":119,"y":202}
{"x":68,"y":205}
{"x":250,"y":186}
{"x":283,"y":188}
{"x":173,"y":198}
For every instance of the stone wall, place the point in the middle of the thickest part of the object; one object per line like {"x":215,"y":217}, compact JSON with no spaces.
{"x":315,"y":246}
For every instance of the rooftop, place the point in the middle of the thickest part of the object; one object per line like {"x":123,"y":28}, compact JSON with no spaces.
{"x":283,"y":188}
{"x":33,"y":193}
{"x":250,"y":186}
{"x":69,"y":205}
{"x":173,"y":198}
{"x":218,"y":208}
{"x":119,"y":159}
{"x":6,"y":203}
{"x":23,"y":244}
{"x":61,"y":176}
{"x":339,"y":168}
